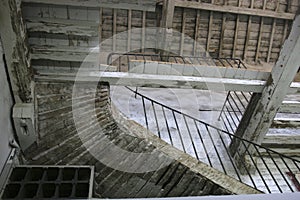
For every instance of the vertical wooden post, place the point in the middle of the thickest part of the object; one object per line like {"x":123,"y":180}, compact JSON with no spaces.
{"x":236,"y":31}
{"x":248,"y":32}
{"x":165,"y":35}
{"x":271,"y":40}
{"x":222,"y":35}
{"x":272,"y":34}
{"x":196,"y":36}
{"x":182,"y":31}
{"x":114,"y":29}
{"x":259,"y":39}
{"x":143,"y":31}
{"x":211,"y":18}
{"x":129,"y":30}
{"x":260,"y":33}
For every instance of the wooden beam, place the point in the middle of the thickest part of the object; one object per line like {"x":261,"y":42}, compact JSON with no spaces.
{"x":290,"y":107}
{"x":235,"y":35}
{"x":256,"y":121}
{"x":196,"y":35}
{"x":247,"y":37}
{"x":145,"y":5}
{"x":165,"y":34}
{"x":286,"y":123}
{"x":259,"y":39}
{"x":17,"y":55}
{"x":222,"y":35}
{"x":154,"y":67}
{"x":211,"y":18}
{"x":271,"y":40}
{"x":286,"y":24}
{"x":282,"y":141}
{"x":248,"y":31}
{"x":100,"y":27}
{"x":78,"y":54}
{"x":114,"y":25}
{"x":272,"y":34}
{"x":62,"y":26}
{"x":129,"y":30}
{"x":143,"y":31}
{"x":157,"y":81}
{"x":168,"y":14}
{"x":233,"y":10}
{"x":182,"y":31}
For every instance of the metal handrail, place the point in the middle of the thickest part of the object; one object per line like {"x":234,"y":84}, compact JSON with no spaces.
{"x":260,"y":167}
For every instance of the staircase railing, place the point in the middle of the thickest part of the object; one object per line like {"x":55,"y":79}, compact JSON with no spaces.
{"x":265,"y":170}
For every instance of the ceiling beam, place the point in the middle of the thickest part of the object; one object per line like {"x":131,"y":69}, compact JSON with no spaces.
{"x":145,"y":5}
{"x":233,"y":10}
{"x":157,"y":81}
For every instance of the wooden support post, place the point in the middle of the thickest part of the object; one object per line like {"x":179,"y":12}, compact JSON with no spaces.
{"x":248,"y":32}
{"x":196,"y":36}
{"x":286,"y":24}
{"x":129,"y":31}
{"x":114,"y":29}
{"x":100,"y":28}
{"x":143,"y":31}
{"x":182,"y":31}
{"x":211,"y":18}
{"x":271,"y":40}
{"x":235,"y":35}
{"x":247,"y":37}
{"x":263,"y":107}
{"x":13,"y":36}
{"x":222,"y":35}
{"x":272,"y":34}
{"x":165,"y":35}
{"x":236,"y":31}
{"x":259,"y":39}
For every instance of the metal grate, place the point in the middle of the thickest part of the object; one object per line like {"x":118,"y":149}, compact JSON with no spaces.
{"x":55,"y":182}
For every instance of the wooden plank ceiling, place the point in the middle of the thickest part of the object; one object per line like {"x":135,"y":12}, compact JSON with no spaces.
{"x":61,"y":33}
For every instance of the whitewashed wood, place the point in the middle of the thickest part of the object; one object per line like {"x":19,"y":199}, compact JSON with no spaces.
{"x":62,"y":26}
{"x":158,"y":81}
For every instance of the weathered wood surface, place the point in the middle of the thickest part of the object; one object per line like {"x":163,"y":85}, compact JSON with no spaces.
{"x":290,"y":107}
{"x":62,"y":26}
{"x":162,"y":68}
{"x":74,"y":54}
{"x":286,"y":123}
{"x":198,"y":26}
{"x":14,"y":41}
{"x":145,"y":5}
{"x":234,"y":10}
{"x":158,"y":81}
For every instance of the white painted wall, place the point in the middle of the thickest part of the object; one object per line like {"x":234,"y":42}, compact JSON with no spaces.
{"x":6,"y":104}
